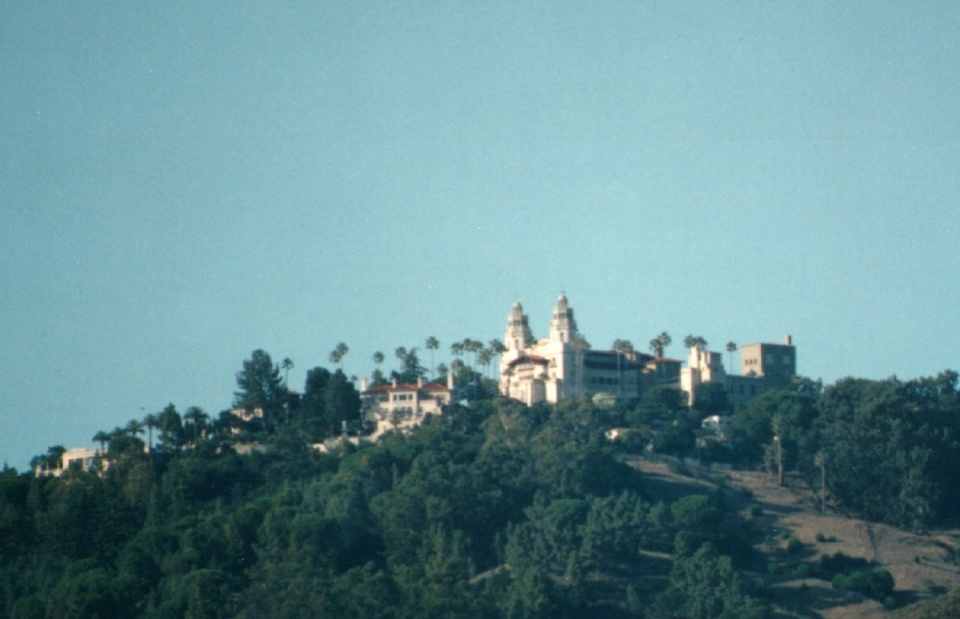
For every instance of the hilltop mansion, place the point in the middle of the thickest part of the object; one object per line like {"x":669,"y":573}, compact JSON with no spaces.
{"x":561,"y":365}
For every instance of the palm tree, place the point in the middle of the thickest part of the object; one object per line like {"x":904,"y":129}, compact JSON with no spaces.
{"x":456,"y":349}
{"x":484,"y":358}
{"x":659,"y":343}
{"x":198,"y":419}
{"x":695,"y":341}
{"x":497,"y":348}
{"x":400,"y":352}
{"x":731,"y":346}
{"x":432,"y":344}
{"x":471,"y":346}
{"x":287,"y":365}
{"x":134,"y":428}
{"x":378,"y":358}
{"x":151,"y":421}
{"x":339,"y":353}
{"x":102,"y":437}
{"x":622,"y":347}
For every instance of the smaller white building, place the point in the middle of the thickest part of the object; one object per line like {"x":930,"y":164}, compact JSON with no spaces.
{"x":81,"y":457}
{"x":402,"y":407}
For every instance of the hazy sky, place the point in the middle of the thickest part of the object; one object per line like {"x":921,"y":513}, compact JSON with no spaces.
{"x":182,"y":183}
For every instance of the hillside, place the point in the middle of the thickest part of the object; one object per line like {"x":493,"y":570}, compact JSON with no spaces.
{"x":924,"y":566}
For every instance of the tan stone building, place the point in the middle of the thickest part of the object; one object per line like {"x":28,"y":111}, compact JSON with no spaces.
{"x":763,"y":366}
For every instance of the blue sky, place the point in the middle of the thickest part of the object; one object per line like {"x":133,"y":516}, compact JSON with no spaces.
{"x":182,"y":183}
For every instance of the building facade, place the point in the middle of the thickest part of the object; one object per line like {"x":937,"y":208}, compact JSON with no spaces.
{"x":562,"y":365}
{"x":402,"y":407}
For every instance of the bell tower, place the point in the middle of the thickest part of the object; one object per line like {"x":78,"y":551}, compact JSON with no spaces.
{"x":518,"y":334}
{"x":563,"y":326}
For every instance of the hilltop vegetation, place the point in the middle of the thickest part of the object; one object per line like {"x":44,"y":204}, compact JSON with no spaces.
{"x":492,"y":510}
{"x":885,"y":451}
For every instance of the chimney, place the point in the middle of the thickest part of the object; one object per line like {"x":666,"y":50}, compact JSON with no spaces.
{"x":363,"y":384}
{"x":788,"y":340}
{"x":394,"y":381}
{"x":419,"y":382}
{"x":450,"y":381}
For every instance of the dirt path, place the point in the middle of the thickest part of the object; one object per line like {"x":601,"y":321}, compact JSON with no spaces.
{"x":922,"y":565}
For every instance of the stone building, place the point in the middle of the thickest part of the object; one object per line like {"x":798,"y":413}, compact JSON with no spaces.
{"x":562,"y":366}
{"x":402,"y":407}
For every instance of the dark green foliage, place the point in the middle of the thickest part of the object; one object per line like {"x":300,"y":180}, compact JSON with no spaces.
{"x":259,"y":384}
{"x":490,"y":510}
{"x":704,"y":584}
{"x":856,"y":574}
{"x":330,"y":401}
{"x":886,"y":450}
{"x":876,"y":583}
{"x":710,"y":399}
{"x":752,"y":428}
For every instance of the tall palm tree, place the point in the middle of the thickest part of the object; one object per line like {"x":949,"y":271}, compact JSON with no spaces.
{"x":134,"y":427}
{"x":484,"y":357}
{"x":622,"y":347}
{"x":102,"y":438}
{"x":456,"y":349}
{"x":731,"y":346}
{"x":151,"y":421}
{"x":497,"y":348}
{"x":338,"y":354}
{"x":287,"y":365}
{"x":659,"y":343}
{"x":471,"y":346}
{"x":695,"y":341}
{"x":198,"y":419}
{"x":432,"y":344}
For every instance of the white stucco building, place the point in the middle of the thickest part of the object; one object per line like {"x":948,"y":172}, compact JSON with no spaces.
{"x":561,"y":366}
{"x":80,"y":457}
{"x":402,"y":407}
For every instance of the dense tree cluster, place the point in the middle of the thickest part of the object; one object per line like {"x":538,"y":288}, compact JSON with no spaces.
{"x":492,"y":510}
{"x":882,"y":450}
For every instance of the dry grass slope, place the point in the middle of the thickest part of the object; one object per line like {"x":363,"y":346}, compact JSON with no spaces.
{"x":924,"y":566}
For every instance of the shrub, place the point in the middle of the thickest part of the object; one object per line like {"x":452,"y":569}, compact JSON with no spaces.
{"x":756,"y":511}
{"x":679,"y":468}
{"x":876,"y":583}
{"x":839,"y":563}
{"x":794,"y":545}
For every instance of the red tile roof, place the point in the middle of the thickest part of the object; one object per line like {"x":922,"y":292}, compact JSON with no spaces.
{"x":388,"y":388}
{"x":533,"y":358}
